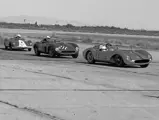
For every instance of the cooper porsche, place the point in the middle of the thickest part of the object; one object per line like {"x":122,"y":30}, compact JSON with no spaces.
{"x":17,"y":43}
{"x":120,"y":57}
{"x":54,"y":48}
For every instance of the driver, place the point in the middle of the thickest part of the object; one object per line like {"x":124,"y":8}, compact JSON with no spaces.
{"x":17,"y":37}
{"x":46,"y":39}
{"x":103,"y":47}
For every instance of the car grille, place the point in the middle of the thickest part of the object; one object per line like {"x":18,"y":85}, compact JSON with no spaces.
{"x":142,"y":61}
{"x":68,"y":51}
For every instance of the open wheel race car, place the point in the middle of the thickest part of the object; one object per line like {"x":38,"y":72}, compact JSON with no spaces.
{"x":112,"y":54}
{"x":56,"y":48}
{"x":14,"y":43}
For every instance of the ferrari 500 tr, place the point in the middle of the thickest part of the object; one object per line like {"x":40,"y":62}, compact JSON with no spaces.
{"x":56,"y":48}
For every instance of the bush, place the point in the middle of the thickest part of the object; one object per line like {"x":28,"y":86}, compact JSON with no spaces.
{"x":87,"y":40}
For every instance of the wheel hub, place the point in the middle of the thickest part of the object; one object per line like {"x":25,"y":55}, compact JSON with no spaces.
{"x":90,"y":56}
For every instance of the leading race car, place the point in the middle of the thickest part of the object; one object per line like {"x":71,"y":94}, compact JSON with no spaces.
{"x":56,"y":48}
{"x":112,"y":54}
{"x":17,"y":43}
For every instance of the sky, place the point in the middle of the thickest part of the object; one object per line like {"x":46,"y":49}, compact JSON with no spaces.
{"x":135,"y":14}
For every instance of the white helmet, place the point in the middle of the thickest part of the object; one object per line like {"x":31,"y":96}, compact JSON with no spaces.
{"x":18,"y":35}
{"x":48,"y":37}
{"x":102,"y":47}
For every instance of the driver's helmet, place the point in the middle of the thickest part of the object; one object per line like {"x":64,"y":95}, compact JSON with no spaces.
{"x":18,"y":36}
{"x":47,"y":37}
{"x":102,"y":47}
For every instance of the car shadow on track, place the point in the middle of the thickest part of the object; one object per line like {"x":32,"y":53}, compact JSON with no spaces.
{"x":47,"y":56}
{"x":14,"y":49}
{"x":100,"y":64}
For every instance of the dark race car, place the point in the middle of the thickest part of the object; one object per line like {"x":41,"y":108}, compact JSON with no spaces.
{"x":13,"y":43}
{"x":112,"y":54}
{"x":56,"y":48}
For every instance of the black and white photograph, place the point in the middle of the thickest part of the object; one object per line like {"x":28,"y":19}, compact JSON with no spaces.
{"x":79,"y":60}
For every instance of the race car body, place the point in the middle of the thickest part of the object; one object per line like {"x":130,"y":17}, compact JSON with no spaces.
{"x":112,"y":54}
{"x":56,"y":48}
{"x":13,"y":43}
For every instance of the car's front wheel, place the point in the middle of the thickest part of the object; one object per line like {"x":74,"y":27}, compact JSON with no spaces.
{"x":90,"y":58}
{"x":118,"y":61}
{"x":37,"y":53}
{"x":51,"y":52}
{"x":144,"y":66}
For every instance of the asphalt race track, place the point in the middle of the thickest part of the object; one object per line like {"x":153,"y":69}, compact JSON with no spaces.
{"x":44,"y":88}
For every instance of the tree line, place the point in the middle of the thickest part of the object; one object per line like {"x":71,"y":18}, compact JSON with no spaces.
{"x":72,"y":28}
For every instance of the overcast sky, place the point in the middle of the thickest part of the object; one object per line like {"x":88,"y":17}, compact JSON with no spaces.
{"x":123,"y":13}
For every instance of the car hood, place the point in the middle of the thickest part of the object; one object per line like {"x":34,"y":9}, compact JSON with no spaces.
{"x":134,"y":55}
{"x":64,"y":46}
{"x":28,"y":43}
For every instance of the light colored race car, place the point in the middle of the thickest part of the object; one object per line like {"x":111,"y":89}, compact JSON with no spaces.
{"x":17,"y":43}
{"x":112,"y":54}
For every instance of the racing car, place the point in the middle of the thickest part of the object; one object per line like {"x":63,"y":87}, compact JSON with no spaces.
{"x":55,"y":48}
{"x":17,"y":43}
{"x":106,"y":52}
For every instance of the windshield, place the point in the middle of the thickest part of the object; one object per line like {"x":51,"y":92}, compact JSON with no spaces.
{"x":129,"y":47}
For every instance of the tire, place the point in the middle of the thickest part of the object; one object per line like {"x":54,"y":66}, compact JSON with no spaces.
{"x":90,"y":58}
{"x":51,"y":52}
{"x":10,"y":47}
{"x":6,"y":47}
{"x":118,"y":61}
{"x":37,"y":53}
{"x":144,"y":66}
{"x":29,"y":49}
{"x":75,"y":55}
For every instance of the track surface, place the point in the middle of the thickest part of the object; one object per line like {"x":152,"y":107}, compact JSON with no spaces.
{"x":63,"y":88}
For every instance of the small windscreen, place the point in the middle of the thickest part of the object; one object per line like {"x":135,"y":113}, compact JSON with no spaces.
{"x":54,"y":40}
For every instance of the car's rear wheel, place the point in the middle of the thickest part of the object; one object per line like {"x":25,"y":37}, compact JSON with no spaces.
{"x":118,"y":61}
{"x":75,"y":55}
{"x":37,"y":53}
{"x":144,"y":66}
{"x":51,"y":52}
{"x":6,"y":47}
{"x":90,"y":58}
{"x":10,"y":46}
